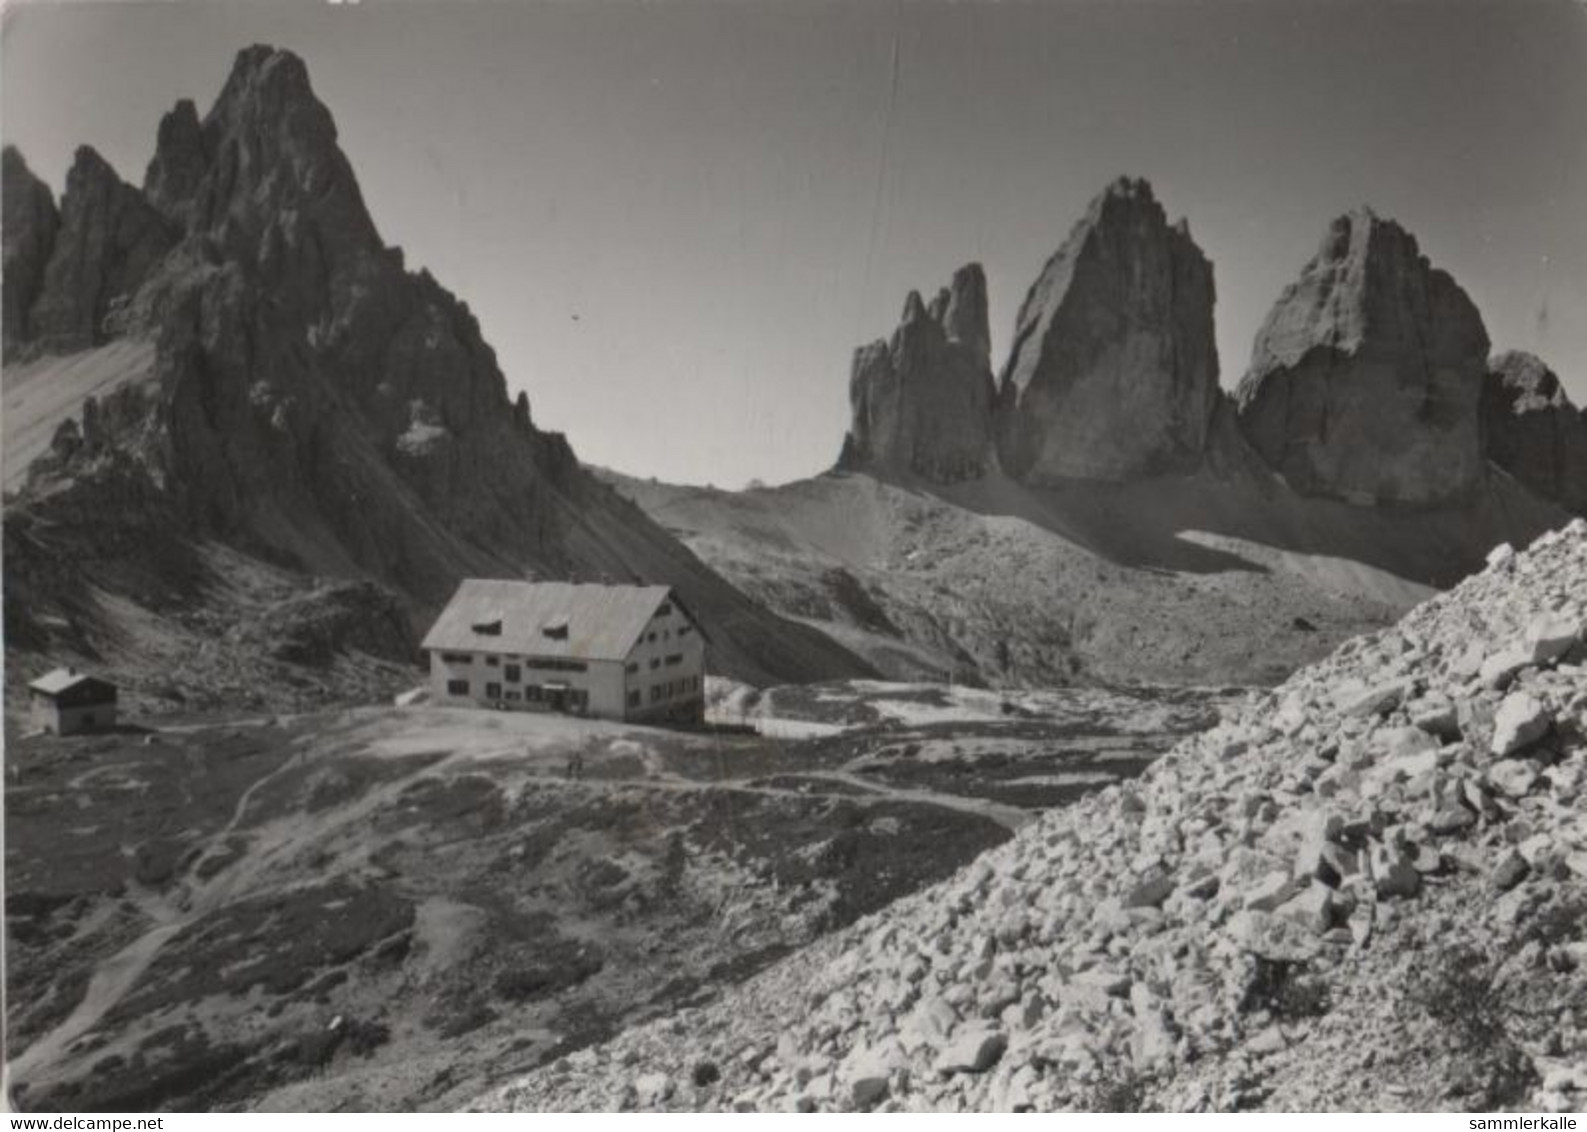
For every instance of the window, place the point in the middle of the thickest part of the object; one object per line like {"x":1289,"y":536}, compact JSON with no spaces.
{"x":663,"y":609}
{"x":488,"y":628}
{"x":655,"y":662}
{"x":512,"y":674}
{"x":493,"y":661}
{"x":632,"y":667}
{"x":551,"y":664}
{"x":685,"y":630}
{"x":493,"y":691}
{"x":634,"y":699}
{"x":533,"y":694}
{"x":651,"y":638}
{"x":675,"y":658}
{"x":655,"y":694}
{"x":555,"y":629}
{"x":457,"y":687}
{"x":457,"y":658}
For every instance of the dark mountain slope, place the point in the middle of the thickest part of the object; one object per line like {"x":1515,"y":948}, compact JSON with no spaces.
{"x":312,"y":403}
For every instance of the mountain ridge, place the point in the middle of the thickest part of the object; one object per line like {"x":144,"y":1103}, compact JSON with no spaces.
{"x":313,"y":402}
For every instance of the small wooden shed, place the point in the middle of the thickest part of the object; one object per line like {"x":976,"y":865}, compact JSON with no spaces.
{"x":67,"y":701}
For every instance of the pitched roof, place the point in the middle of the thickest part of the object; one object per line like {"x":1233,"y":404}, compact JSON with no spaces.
{"x":601,"y":622}
{"x":62,"y":679}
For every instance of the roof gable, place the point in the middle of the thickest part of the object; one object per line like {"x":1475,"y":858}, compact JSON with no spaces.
{"x":548,"y":619}
{"x":60,"y":681}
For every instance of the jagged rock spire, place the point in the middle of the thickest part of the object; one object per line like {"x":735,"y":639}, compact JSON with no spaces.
{"x":922,"y":403}
{"x":172,"y":179}
{"x":28,"y":228}
{"x":108,"y":241}
{"x":1366,"y":374}
{"x":1533,"y":431}
{"x":1114,"y":366}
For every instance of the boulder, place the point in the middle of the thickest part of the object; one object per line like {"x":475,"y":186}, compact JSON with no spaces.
{"x":1510,"y":871}
{"x":1512,"y":777}
{"x":1520,"y":722}
{"x":1550,"y":636}
{"x":1533,"y":431}
{"x":1393,"y":873}
{"x":869,"y":1070}
{"x":974,"y":1050}
{"x":652,"y":1089}
{"x":1312,"y":908}
{"x":1365,"y":377}
{"x":1376,"y":700}
{"x":1314,"y":859}
{"x":1113,"y":372}
{"x":922,"y":403}
{"x":1150,"y":891}
{"x":1499,"y":668}
{"x":1438,"y":718}
{"x":1272,"y":937}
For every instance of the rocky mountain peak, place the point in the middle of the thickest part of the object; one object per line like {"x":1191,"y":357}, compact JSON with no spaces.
{"x":964,"y":316}
{"x":922,"y":403}
{"x":1365,"y":376}
{"x":1114,"y":368}
{"x":1125,"y":191}
{"x":1533,"y":431}
{"x":265,"y":157}
{"x":28,"y":229}
{"x":172,"y":178}
{"x":309,"y":400}
{"x":1536,"y":388}
{"x":960,"y":309}
{"x":107,"y":241}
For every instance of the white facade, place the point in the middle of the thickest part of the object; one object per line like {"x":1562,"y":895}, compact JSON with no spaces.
{"x":66,"y":701}
{"x":659,"y":677}
{"x":665,"y":671}
{"x":47,"y":715}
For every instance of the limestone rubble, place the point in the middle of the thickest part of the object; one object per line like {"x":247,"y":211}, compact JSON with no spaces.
{"x":1364,"y":889}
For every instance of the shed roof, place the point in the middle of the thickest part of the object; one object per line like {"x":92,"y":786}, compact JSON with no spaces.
{"x":593,"y":622}
{"x":60,"y":680}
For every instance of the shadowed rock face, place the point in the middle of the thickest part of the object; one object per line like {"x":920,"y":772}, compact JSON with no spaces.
{"x":108,"y":241}
{"x":1533,"y":431}
{"x":29,"y":225}
{"x":1114,"y":369}
{"x":171,"y":182}
{"x":1366,"y":374}
{"x":922,"y":404}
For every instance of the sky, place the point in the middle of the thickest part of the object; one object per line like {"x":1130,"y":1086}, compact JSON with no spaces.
{"x":676,"y":220}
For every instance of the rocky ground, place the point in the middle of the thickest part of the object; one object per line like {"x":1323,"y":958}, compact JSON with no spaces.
{"x":1364,"y":889}
{"x":1176,"y":580}
{"x":248,"y":637}
{"x":383,"y":908}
